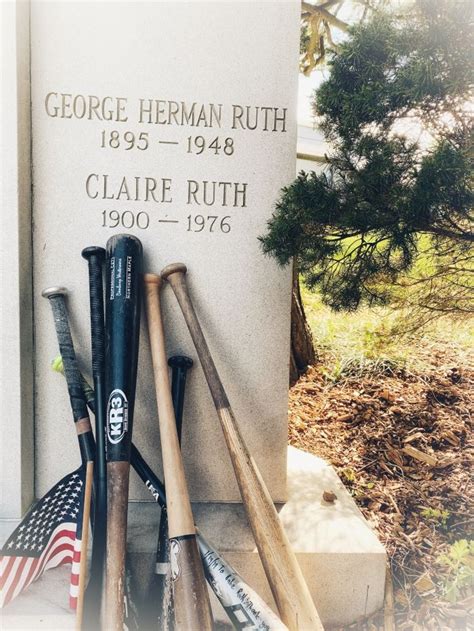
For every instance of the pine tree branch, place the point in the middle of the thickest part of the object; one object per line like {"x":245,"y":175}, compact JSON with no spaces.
{"x":459,"y":236}
{"x":325,"y":14}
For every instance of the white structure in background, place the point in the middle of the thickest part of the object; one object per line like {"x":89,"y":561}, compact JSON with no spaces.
{"x":311,"y":144}
{"x":311,"y":149}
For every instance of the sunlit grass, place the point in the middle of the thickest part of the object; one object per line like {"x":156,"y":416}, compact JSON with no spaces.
{"x":365,"y":341}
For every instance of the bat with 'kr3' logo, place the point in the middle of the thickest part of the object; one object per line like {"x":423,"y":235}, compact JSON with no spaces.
{"x":122,"y":322}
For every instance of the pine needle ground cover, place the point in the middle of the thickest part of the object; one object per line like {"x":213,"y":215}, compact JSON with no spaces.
{"x":395,"y":420}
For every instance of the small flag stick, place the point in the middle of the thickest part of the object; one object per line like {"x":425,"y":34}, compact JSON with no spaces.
{"x":84,"y":543}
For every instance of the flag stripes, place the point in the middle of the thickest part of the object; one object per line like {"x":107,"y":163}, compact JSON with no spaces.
{"x":75,"y":568}
{"x":19,"y":572}
{"x":49,"y":535}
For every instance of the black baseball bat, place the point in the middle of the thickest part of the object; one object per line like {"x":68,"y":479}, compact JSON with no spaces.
{"x":122,"y":320}
{"x":123,"y":301}
{"x":94,"y":592}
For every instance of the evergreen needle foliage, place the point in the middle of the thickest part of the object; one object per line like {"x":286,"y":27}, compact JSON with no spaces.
{"x":355,"y":228}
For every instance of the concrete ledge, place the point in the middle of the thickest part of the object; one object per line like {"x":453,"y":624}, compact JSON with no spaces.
{"x":342,"y":559}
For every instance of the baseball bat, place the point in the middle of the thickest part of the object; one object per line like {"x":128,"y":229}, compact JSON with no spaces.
{"x":245,"y":608}
{"x":95,"y":257}
{"x":192,"y":609}
{"x":284,"y":575}
{"x":56,"y":297}
{"x":124,"y":268}
{"x":158,"y":610}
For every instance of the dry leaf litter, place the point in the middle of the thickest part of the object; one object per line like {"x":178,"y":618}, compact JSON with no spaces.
{"x":402,"y":444}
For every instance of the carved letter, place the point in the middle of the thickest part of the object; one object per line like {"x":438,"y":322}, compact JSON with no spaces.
{"x":89,"y":177}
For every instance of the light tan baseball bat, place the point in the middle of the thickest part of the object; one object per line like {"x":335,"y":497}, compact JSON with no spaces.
{"x":191,"y":600}
{"x":284,"y":575}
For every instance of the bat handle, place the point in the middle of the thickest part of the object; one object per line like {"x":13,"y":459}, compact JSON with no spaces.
{"x":95,"y":257}
{"x":175,"y":274}
{"x":180,"y":364}
{"x":56,"y":297}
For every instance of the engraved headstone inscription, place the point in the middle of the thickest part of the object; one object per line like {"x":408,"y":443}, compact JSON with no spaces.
{"x":174,"y":122}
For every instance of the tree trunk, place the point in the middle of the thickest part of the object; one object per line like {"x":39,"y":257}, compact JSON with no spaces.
{"x":302,"y":352}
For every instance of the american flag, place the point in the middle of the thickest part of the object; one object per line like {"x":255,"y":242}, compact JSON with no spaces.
{"x":48,"y":536}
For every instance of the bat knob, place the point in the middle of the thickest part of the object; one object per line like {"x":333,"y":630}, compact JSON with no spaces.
{"x":180,"y":361}
{"x":54,"y":291}
{"x":93,"y":250}
{"x":172,"y":269}
{"x":152,"y":279}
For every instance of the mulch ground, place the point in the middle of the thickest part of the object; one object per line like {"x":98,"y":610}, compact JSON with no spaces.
{"x":402,"y":444}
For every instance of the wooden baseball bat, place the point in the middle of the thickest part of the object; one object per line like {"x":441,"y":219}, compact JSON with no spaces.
{"x":158,"y":604}
{"x":190,"y":596}
{"x":284,"y":575}
{"x":124,"y":269}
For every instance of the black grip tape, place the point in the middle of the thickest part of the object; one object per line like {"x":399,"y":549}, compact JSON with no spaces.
{"x":66,"y":348}
{"x":123,"y":300}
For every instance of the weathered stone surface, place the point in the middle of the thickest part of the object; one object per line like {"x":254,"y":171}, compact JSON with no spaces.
{"x":16,"y":319}
{"x":222,"y":59}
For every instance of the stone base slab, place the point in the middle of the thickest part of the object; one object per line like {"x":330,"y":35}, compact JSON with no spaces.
{"x":342,"y":559}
